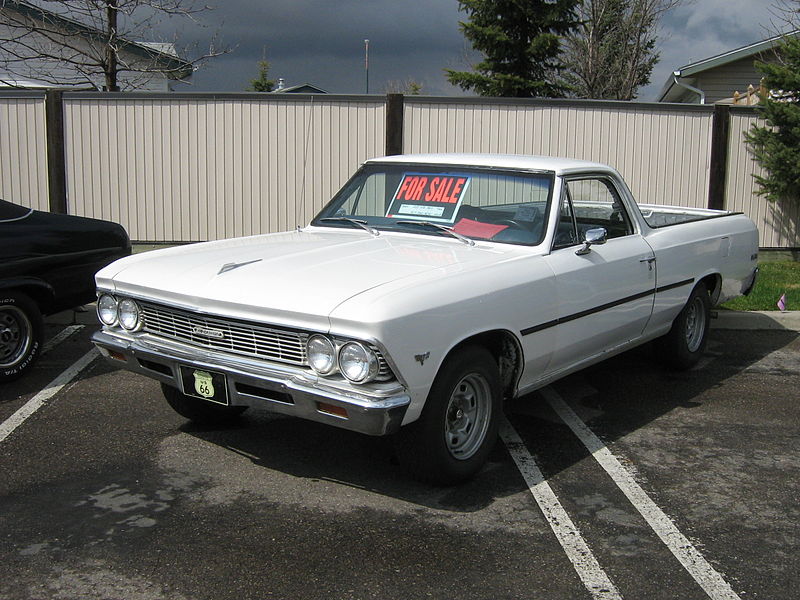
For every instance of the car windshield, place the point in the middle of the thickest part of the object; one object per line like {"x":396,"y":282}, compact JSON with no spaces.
{"x":464,"y":202}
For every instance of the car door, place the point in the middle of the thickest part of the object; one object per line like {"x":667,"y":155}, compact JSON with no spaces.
{"x":605,"y":295}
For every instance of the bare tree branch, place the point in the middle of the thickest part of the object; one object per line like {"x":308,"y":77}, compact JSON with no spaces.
{"x":613,"y":51}
{"x":94,"y":42}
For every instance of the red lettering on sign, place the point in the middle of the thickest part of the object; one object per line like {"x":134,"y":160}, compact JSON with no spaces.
{"x":439,"y":190}
{"x":430,"y":196}
{"x":457,"y":188}
{"x":446,"y":191}
{"x":419,"y":188}
{"x":404,"y":185}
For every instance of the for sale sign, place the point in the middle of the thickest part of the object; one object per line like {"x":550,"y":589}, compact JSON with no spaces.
{"x":428,"y":197}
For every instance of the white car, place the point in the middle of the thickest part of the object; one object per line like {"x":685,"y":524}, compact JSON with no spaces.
{"x":430,"y":288}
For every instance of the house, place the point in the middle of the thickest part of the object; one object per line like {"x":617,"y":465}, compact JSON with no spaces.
{"x":717,"y":78}
{"x":303,"y":88}
{"x":42,"y":49}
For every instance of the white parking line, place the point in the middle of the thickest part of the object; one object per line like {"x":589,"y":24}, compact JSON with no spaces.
{"x":589,"y":570}
{"x":691,"y":559}
{"x":31,"y":406}
{"x":60,"y":337}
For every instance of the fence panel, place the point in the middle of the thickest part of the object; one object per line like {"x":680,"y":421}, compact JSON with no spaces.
{"x":23,"y":149}
{"x":186,"y":167}
{"x":183,"y":168}
{"x":662,"y":151}
{"x":777,"y":222}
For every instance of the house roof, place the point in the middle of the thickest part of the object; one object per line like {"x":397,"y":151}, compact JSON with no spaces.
{"x":163,"y":53}
{"x":722,"y":59}
{"x":303,"y":88}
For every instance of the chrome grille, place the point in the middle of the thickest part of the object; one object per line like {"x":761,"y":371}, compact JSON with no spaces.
{"x":217,"y":333}
{"x":237,"y":337}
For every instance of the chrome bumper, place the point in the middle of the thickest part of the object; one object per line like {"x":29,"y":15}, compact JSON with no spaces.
{"x":377,"y":410}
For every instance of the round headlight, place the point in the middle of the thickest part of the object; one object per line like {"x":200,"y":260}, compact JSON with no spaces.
{"x":107,"y":309}
{"x":321,"y":354}
{"x":357,"y":362}
{"x":129,"y":314}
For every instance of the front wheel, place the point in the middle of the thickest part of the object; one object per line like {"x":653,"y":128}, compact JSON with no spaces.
{"x":452,"y":438}
{"x":685,"y":343}
{"x":200,"y":411}
{"x":21,"y":332}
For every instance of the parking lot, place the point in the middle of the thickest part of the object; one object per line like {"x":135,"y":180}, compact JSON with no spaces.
{"x":624,"y":481}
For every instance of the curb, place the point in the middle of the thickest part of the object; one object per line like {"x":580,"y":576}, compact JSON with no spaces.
{"x":756,"y":320}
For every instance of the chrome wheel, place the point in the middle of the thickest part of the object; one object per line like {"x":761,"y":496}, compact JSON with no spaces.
{"x":695,"y":324}
{"x":16,"y":335}
{"x":467,"y":416}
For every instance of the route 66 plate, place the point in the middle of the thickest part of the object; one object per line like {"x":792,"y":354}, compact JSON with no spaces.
{"x":208,"y":385}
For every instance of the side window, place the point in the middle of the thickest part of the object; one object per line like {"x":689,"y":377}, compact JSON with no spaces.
{"x":565,"y":234}
{"x":596,"y":203}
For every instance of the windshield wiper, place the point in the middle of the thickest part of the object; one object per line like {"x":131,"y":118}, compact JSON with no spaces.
{"x":444,"y":228}
{"x":360,"y":223}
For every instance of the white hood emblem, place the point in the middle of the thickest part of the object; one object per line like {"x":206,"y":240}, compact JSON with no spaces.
{"x":231,"y":266}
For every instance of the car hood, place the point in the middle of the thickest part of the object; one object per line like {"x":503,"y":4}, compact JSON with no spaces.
{"x":289,"y":277}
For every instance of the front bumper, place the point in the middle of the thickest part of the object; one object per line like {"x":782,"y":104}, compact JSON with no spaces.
{"x":377,"y":410}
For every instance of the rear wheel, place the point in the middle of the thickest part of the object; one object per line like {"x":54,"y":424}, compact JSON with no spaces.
{"x":458,"y":426}
{"x":686,"y":342}
{"x":201,"y":411}
{"x":21,"y":332}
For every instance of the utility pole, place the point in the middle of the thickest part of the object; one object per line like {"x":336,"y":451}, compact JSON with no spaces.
{"x":366,"y":62}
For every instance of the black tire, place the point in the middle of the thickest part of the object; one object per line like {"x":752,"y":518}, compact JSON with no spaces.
{"x":21,"y":333}
{"x":201,"y":411}
{"x":685,"y":343}
{"x":457,"y":429}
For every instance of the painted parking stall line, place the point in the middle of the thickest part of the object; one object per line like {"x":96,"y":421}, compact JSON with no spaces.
{"x":697,"y":566}
{"x":60,"y":337}
{"x":31,"y":406}
{"x":577,"y":550}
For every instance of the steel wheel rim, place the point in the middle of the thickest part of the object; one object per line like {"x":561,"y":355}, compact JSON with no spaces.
{"x":15,"y":335}
{"x":695,"y":324}
{"x":467,"y":416}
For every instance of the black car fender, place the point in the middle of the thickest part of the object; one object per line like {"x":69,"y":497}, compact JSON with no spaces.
{"x":40,"y":291}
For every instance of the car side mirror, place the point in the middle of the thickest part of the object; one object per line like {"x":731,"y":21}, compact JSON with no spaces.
{"x":593,"y":237}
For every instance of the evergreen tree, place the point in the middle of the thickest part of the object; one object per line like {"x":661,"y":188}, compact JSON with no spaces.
{"x":521,"y":44}
{"x":262,"y":83}
{"x":776,"y":146}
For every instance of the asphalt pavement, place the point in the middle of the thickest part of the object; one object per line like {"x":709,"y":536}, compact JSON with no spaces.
{"x":625,"y":480}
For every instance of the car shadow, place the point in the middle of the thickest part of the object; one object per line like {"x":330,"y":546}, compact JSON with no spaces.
{"x":617,"y":396}
{"x":50,"y":364}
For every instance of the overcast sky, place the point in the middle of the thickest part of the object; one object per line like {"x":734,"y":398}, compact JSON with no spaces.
{"x":322,"y":41}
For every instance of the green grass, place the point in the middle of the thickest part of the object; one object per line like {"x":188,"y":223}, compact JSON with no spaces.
{"x":774,"y":279}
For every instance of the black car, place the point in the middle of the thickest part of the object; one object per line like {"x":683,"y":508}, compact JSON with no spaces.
{"x":47,"y":264}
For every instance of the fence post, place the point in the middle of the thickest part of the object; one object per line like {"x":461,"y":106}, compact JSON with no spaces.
{"x":56,"y":163}
{"x":394,"y":124}
{"x":720,"y":136}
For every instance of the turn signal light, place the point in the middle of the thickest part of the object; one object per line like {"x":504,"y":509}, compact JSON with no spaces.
{"x":330,"y":409}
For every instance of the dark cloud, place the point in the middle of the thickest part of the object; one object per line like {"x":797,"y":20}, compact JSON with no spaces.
{"x":322,"y":42}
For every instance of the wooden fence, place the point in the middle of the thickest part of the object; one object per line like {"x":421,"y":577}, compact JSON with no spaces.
{"x":189,"y":167}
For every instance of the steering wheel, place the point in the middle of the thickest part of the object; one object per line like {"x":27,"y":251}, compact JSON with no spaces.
{"x":513,"y":223}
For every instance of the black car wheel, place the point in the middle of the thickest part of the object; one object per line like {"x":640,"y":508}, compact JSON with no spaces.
{"x":20,"y":334}
{"x":458,"y":427}
{"x":686,"y":341}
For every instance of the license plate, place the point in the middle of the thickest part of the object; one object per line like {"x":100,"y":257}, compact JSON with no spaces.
{"x":208,"y":385}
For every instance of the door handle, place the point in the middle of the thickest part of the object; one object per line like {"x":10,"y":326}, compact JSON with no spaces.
{"x":650,"y":260}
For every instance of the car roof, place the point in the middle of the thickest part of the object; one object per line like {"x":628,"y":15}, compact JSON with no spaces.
{"x":558,"y":165}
